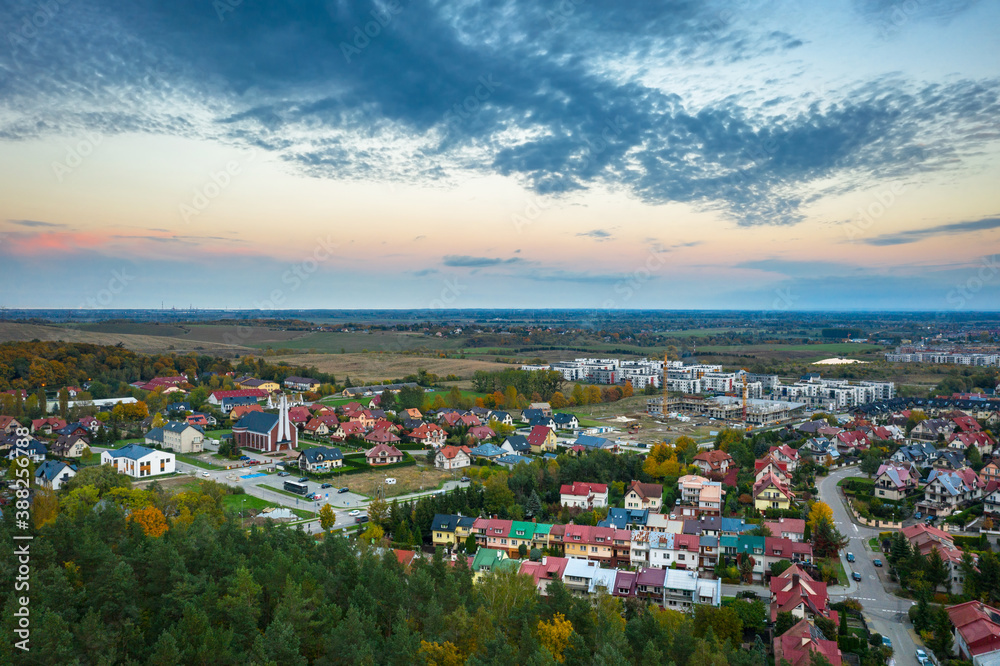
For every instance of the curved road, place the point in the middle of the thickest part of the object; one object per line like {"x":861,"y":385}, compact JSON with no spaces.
{"x":886,"y":614}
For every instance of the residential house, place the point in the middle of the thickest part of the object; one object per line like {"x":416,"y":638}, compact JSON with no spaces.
{"x":820,"y":448}
{"x":182,"y":437}
{"x":991,"y":472}
{"x":591,"y":542}
{"x":301,"y":383}
{"x":579,"y":574}
{"x":543,"y":422}
{"x":386,"y":437}
{"x":966,"y":423}
{"x":503,"y":418}
{"x":648,"y":496}
{"x":623,"y":519}
{"x":227,"y":405}
{"x":948,"y":490}
{"x":542,"y":439}
{"x":769,"y":466}
{"x":950,"y":459}
{"x":488,"y":450}
{"x":316,"y":428}
{"x":487,"y":560}
{"x":443,"y":530}
{"x":625,"y":584}
{"x":453,"y":457}
{"x":216,"y":398}
{"x":320,"y":459}
{"x":268,"y":385}
{"x":34,"y":449}
{"x":593,"y":443}
{"x":797,"y":646}
{"x":347,"y":429}
{"x":429,"y":434}
{"x":792,"y":529}
{"x":785,"y":454}
{"x":893,"y":481}
{"x":529,"y":415}
{"x":566,"y":421}
{"x":584,"y":495}
{"x":713,"y":461}
{"x":544,"y":407}
{"x":383,"y":454}
{"x":778,"y":548}
{"x":795,"y":592}
{"x":47,"y":425}
{"x":139,"y":461}
{"x":9,"y":425}
{"x":991,"y":499}
{"x":512,"y":460}
{"x":977,"y":632}
{"x":963,"y":440}
{"x":516,"y":444}
{"x":69,"y":446}
{"x":932,"y":430}
{"x":545,"y":571}
{"x":667,"y":550}
{"x":681,"y":589}
{"x":481,"y":432}
{"x":237,"y":412}
{"x":921,"y":454}
{"x":923,"y":539}
{"x":850,"y":442}
{"x":53,"y":474}
{"x":771,"y":493}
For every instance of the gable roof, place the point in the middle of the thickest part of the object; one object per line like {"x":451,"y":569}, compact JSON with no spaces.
{"x":318,"y":454}
{"x":257,"y":422}
{"x":646,"y":490}
{"x":582,"y":489}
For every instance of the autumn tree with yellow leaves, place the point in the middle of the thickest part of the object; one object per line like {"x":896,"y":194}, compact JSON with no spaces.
{"x":152,"y":520}
{"x":554,"y":635}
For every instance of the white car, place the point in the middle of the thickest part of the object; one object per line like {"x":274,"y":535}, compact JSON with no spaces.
{"x":354,"y":513}
{"x":391,"y":481}
{"x":922,"y":657}
{"x":205,"y":474}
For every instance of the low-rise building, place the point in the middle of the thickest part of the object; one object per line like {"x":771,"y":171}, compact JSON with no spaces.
{"x":139,"y":461}
{"x":53,"y":474}
{"x":977,"y":632}
{"x":453,"y":457}
{"x":584,"y":495}
{"x":647,"y":496}
{"x":893,"y":481}
{"x":320,"y":459}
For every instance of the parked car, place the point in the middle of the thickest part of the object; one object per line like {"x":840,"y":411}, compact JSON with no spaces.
{"x":856,"y":576}
{"x":391,"y":481}
{"x":922,"y":657}
{"x":343,"y":490}
{"x":205,"y":474}
{"x":464,"y":479}
{"x":354,"y":513}
{"x":317,"y":497}
{"x":918,"y":515}
{"x":361,"y":519}
{"x":326,"y":485}
{"x":850,"y":557}
{"x":303,"y":479}
{"x":284,"y":473}
{"x":877,"y":562}
{"x":886,"y":642}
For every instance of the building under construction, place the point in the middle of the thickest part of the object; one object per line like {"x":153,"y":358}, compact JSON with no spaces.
{"x":726,"y":408}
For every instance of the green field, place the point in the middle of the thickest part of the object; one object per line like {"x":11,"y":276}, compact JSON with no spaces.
{"x":236,"y":502}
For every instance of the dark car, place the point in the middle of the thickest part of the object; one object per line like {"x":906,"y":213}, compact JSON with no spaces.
{"x":850,"y":557}
{"x":361,"y":519}
{"x":856,"y":576}
{"x":303,"y":479}
{"x":877,"y":562}
{"x":464,"y":479}
{"x":343,"y":490}
{"x":327,"y":485}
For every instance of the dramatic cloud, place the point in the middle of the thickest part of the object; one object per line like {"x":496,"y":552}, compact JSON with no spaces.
{"x":915,"y":235}
{"x":554,"y":95}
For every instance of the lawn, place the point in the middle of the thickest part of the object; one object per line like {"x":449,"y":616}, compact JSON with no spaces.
{"x":237,"y":502}
{"x":873,"y":544}
{"x":191,"y":460}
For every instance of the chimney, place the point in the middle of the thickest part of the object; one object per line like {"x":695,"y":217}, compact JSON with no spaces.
{"x":545,"y":560}
{"x":795,"y":579}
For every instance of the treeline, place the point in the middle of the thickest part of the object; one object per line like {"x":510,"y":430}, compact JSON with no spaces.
{"x":542,"y":382}
{"x":125,"y":581}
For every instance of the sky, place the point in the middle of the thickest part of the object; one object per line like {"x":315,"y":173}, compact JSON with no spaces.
{"x":510,"y":153}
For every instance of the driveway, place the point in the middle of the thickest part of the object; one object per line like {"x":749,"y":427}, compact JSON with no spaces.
{"x":886,"y":614}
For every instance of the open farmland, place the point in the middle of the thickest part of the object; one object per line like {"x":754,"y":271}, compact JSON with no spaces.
{"x":144,"y":344}
{"x":375,"y":367}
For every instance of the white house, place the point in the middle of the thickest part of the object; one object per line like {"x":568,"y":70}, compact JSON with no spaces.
{"x":53,"y":474}
{"x":584,"y":495}
{"x":139,"y":461}
{"x":453,"y":457}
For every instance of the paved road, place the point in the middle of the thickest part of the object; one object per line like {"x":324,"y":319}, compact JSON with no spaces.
{"x":886,"y":614}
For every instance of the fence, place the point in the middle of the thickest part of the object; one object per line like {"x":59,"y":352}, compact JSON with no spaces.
{"x":881,"y":524}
